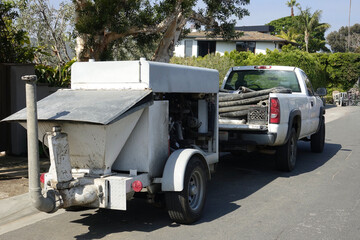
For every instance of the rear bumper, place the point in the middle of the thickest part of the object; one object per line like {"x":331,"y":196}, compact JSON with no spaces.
{"x":237,"y":140}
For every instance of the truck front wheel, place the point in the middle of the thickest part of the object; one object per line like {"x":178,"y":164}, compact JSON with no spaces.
{"x":286,"y":154}
{"x":186,"y":206}
{"x":318,"y":139}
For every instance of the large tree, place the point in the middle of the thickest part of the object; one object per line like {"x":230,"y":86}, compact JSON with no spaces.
{"x":14,"y":43}
{"x":103,"y":23}
{"x":338,"y":39}
{"x":50,"y":28}
{"x":308,"y":23}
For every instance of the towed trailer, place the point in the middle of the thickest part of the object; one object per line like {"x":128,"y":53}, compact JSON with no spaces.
{"x":125,"y":127}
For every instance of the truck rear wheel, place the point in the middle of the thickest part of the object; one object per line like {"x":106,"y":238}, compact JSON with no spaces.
{"x":318,"y":139}
{"x":186,"y":206}
{"x":286,"y":154}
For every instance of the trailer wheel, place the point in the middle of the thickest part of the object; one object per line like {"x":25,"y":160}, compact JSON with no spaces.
{"x":318,"y":139}
{"x":186,"y":206}
{"x":286,"y":154}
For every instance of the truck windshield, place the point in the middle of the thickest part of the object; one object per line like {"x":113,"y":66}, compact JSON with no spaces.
{"x":262,"y":79}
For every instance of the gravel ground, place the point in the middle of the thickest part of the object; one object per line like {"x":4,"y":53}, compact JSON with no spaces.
{"x":14,"y":175}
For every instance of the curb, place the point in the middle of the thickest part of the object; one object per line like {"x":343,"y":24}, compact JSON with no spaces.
{"x":17,"y":212}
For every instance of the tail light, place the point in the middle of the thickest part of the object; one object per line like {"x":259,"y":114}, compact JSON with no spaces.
{"x":274,"y":110}
{"x":137,"y":186}
{"x":262,"y":67}
{"x":42,"y":178}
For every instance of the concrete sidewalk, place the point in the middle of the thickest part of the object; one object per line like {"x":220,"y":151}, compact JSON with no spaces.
{"x":17,"y":212}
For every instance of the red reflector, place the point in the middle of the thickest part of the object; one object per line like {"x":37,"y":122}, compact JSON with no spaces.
{"x":274,"y":110}
{"x":262,"y":67}
{"x":42,"y":177}
{"x":137,"y":186}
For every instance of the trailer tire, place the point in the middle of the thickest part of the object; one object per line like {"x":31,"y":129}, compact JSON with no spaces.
{"x":286,"y":154}
{"x":186,"y":206}
{"x":318,"y":139}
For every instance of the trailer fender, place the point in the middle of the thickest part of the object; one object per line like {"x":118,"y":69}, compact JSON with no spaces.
{"x":174,"y":171}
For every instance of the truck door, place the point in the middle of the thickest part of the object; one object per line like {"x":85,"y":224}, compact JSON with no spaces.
{"x":314,"y":104}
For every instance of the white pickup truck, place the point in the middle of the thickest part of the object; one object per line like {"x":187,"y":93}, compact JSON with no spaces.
{"x":270,"y":108}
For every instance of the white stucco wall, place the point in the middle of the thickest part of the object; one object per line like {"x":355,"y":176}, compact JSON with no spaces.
{"x":180,"y":48}
{"x":195,"y":48}
{"x":262,"y":46}
{"x":222,"y":47}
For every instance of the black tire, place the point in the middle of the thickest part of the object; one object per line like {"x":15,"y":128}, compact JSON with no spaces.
{"x":186,"y":206}
{"x":318,"y":139}
{"x":286,"y":154}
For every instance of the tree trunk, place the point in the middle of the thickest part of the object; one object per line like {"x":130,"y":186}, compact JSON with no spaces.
{"x":82,"y":52}
{"x":166,"y":46}
{"x":292,"y":11}
{"x":306,"y":39}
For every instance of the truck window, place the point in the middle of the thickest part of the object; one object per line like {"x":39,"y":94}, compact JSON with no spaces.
{"x":262,"y":79}
{"x":310,"y":90}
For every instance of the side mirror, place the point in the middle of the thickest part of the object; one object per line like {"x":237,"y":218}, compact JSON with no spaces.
{"x":321,"y":91}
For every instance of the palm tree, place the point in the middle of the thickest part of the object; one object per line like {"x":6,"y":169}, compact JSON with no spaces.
{"x":308,"y":23}
{"x":290,"y":35}
{"x":291,"y":5}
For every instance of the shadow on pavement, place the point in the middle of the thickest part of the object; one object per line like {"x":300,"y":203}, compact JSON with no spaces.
{"x":237,"y":177}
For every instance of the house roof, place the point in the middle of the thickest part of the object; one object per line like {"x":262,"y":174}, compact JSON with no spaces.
{"x":247,"y":36}
{"x":261,"y":28}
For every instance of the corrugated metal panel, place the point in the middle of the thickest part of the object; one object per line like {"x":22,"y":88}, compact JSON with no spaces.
{"x":92,"y":106}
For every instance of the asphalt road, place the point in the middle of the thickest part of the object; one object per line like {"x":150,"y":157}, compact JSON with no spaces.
{"x":247,"y":199}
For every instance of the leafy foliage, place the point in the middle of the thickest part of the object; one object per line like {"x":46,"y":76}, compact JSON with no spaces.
{"x":283,"y":24}
{"x":292,"y":28}
{"x":213,"y":61}
{"x":343,"y":69}
{"x":308,"y":23}
{"x":338,"y":40}
{"x":146,"y":24}
{"x":291,"y":35}
{"x":291,"y":4}
{"x":58,"y":76}
{"x":51,"y":29}
{"x":14,"y":43}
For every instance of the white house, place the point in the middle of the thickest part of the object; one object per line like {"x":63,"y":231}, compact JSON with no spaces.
{"x":255,"y":39}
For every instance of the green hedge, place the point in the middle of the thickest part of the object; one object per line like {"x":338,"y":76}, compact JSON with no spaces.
{"x":338,"y":71}
{"x":214,"y":61}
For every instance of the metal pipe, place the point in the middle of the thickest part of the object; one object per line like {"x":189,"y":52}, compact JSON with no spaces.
{"x":43,"y":204}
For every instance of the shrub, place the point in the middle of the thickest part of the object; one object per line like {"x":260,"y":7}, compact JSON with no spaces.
{"x":58,"y":76}
{"x":213,"y":61}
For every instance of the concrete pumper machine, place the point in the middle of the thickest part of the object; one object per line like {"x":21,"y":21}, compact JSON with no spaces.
{"x":125,"y":127}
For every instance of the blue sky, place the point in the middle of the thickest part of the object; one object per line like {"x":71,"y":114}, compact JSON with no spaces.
{"x":334,"y":12}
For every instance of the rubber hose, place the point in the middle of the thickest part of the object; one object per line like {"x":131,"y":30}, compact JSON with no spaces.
{"x":243,"y":101}
{"x":235,"y":114}
{"x":235,"y":108}
{"x":234,"y":97}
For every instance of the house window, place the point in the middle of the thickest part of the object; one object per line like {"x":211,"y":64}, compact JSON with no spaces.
{"x":245,"y":46}
{"x":188,"y":48}
{"x":206,"y":47}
